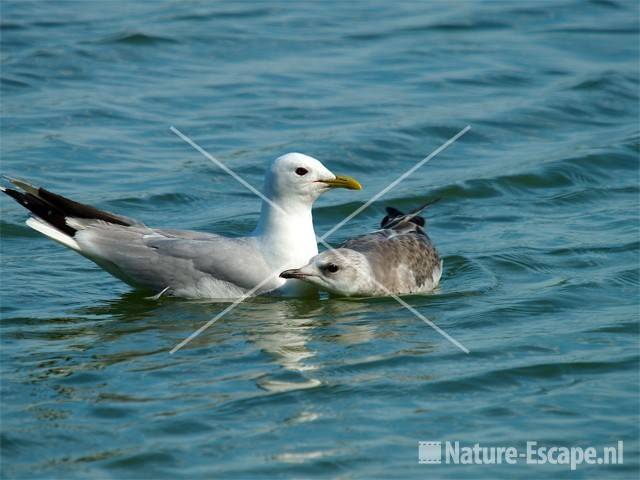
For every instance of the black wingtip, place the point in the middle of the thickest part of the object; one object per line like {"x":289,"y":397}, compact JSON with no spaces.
{"x":57,"y":207}
{"x":393,"y":211}
{"x":395,"y":217}
{"x":41,"y":209}
{"x":12,"y":193}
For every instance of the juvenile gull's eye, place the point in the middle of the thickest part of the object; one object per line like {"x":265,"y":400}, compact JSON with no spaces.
{"x":333,"y":268}
{"x":301,"y":171}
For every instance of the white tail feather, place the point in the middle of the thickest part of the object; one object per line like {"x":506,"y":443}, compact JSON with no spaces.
{"x":53,"y":233}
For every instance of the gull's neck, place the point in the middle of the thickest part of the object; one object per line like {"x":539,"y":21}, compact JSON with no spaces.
{"x":286,"y":234}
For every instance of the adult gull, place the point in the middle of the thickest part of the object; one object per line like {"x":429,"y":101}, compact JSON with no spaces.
{"x":194,"y":264}
{"x":397,"y":259}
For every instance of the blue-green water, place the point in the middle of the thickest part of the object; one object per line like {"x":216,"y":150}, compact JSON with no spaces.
{"x":538,"y":228}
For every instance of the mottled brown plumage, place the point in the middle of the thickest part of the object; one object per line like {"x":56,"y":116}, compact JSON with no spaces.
{"x":397,"y":259}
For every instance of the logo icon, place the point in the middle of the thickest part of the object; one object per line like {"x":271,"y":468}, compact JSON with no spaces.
{"x":429,"y":452}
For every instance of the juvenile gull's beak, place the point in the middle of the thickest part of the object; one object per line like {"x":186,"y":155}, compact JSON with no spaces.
{"x":343,"y":181}
{"x":294,"y":273}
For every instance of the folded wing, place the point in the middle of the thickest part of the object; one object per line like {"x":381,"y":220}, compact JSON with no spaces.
{"x":190,"y":264}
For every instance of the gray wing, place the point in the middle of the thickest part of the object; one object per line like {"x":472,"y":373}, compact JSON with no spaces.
{"x":404,"y":260}
{"x":186,"y":262}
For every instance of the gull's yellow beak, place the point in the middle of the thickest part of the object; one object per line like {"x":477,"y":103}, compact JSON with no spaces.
{"x":343,"y":181}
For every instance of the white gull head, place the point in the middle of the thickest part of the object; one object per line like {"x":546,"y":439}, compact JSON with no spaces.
{"x":341,"y":271}
{"x":285,"y":230}
{"x":296,"y":180}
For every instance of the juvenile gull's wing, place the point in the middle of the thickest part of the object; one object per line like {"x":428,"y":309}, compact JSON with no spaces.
{"x":403,"y":260}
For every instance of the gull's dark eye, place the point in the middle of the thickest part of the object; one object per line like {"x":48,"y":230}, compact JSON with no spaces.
{"x":332,"y":268}
{"x":301,"y":171}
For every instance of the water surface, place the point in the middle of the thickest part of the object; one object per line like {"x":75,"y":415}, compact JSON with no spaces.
{"x":538,"y":228}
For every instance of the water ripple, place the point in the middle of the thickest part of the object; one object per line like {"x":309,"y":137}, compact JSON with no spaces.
{"x":537,"y":228}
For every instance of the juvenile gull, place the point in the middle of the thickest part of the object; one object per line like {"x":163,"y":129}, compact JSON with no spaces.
{"x":193,"y":264}
{"x":397,"y":259}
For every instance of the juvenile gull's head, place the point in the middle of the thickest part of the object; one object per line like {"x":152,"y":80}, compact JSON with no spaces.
{"x":341,"y":271}
{"x":295,"y":179}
